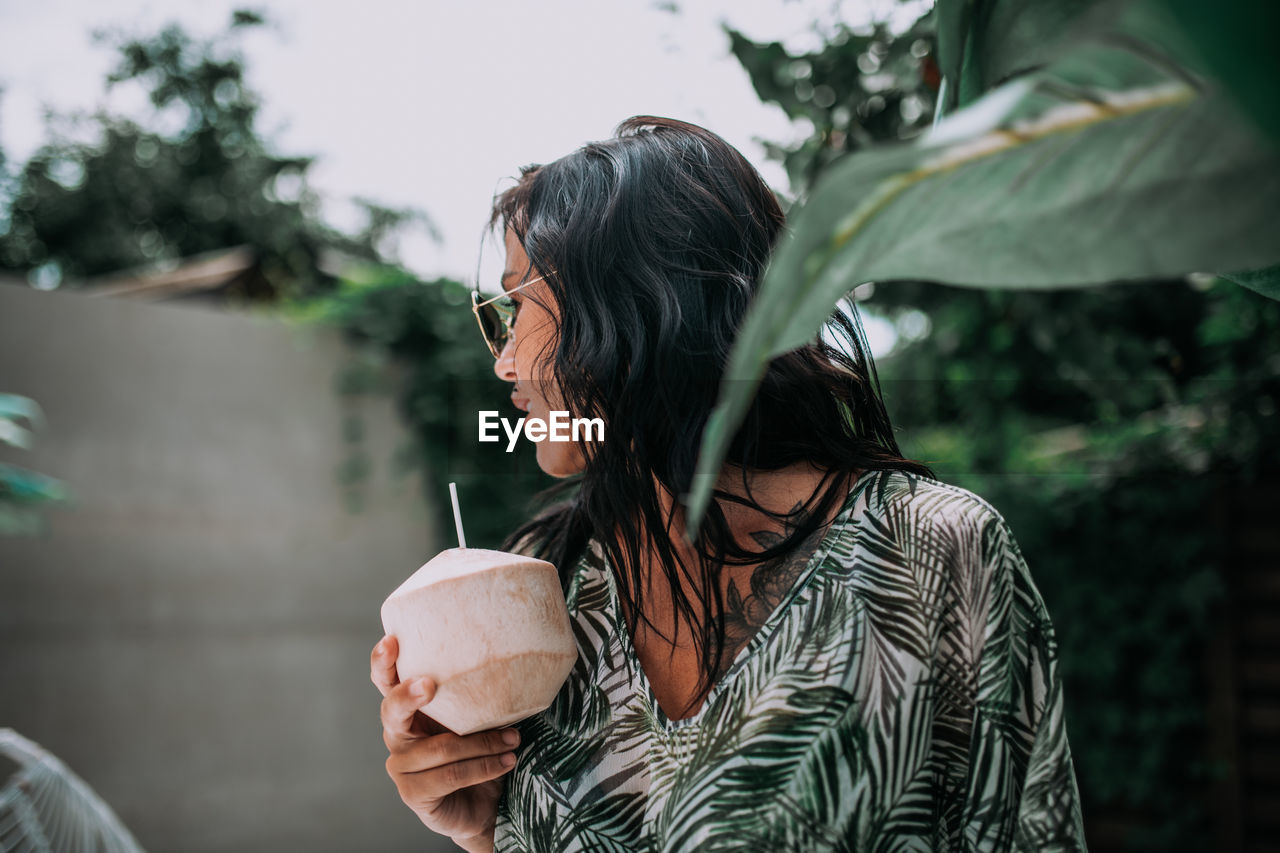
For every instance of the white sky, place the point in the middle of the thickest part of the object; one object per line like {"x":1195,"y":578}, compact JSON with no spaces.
{"x":431,"y":104}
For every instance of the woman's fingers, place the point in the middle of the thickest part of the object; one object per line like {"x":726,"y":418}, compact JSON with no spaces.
{"x":439,"y":782}
{"x":439,"y":751}
{"x":382,"y":664}
{"x":399,"y":707}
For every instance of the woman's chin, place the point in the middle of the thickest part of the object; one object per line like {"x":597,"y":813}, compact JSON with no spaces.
{"x":560,"y":459}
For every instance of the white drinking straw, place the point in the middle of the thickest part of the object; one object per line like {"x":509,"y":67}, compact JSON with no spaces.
{"x":457,"y":515}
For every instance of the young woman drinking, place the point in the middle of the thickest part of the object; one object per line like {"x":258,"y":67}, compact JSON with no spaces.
{"x":850,"y":655}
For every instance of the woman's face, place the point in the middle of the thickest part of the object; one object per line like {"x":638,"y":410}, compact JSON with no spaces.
{"x":526,"y":359}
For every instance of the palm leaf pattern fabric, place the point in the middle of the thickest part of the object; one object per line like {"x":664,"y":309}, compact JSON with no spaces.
{"x":903,"y":696}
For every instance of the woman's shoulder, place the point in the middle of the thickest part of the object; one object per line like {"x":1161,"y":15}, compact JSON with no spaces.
{"x":924,"y":501}
{"x":940,"y":560}
{"x":931,"y":529}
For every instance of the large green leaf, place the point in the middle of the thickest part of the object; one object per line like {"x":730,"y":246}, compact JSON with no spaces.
{"x":1013,"y":37}
{"x":952,"y":18}
{"x":983,"y":43}
{"x":1107,"y":164}
{"x":1265,"y":281}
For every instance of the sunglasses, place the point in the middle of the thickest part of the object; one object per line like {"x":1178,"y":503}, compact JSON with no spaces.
{"x":496,"y":315}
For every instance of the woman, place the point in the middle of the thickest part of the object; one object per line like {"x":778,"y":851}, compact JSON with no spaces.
{"x":850,"y":655}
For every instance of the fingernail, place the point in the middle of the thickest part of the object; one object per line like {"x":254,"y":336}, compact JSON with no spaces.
{"x":508,"y":759}
{"x":511,"y":737}
{"x":419,"y":689}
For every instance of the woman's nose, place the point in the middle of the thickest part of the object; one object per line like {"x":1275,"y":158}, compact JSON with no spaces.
{"x":505,"y":366}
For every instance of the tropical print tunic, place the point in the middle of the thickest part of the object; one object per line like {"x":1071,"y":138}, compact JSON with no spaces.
{"x":903,"y":695}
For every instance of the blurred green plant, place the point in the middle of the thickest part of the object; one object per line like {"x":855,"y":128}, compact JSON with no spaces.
{"x":1086,"y":147}
{"x":1108,"y":424}
{"x":22,"y":491}
{"x":105,"y":194}
{"x":141,"y":195}
{"x":862,"y":88}
{"x":1111,"y":429}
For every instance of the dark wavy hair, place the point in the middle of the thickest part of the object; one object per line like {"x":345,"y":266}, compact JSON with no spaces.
{"x":653,"y":243}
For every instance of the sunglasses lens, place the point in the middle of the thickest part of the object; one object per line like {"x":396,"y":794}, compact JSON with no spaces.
{"x":494,"y":321}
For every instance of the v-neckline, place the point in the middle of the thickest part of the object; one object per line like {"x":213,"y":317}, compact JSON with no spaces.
{"x":761,"y":635}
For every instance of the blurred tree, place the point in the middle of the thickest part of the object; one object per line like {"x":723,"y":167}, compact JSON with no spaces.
{"x":1084,"y":144}
{"x":1103,"y":422}
{"x":862,"y":86}
{"x":138,"y":195}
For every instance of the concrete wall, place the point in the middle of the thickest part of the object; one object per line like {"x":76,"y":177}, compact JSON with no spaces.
{"x":192,"y":635}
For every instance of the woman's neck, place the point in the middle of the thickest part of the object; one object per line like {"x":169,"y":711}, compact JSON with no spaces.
{"x":769,"y":494}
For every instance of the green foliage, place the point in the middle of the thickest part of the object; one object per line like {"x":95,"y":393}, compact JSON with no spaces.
{"x":210,"y":181}
{"x":983,"y":43}
{"x":22,"y":491}
{"x":1106,"y":423}
{"x":1108,"y":426}
{"x":1132,"y":606}
{"x":444,"y":378}
{"x":861,"y":87}
{"x":135,"y":196}
{"x":1265,"y":281}
{"x":1117,"y":521}
{"x":1106,"y":163}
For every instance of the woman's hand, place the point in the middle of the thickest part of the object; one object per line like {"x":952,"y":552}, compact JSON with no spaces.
{"x":451,"y":782}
